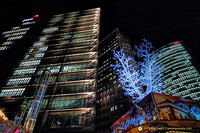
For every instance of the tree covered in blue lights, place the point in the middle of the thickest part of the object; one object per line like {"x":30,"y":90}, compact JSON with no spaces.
{"x":129,"y":75}
{"x":134,"y":76}
{"x":150,"y":74}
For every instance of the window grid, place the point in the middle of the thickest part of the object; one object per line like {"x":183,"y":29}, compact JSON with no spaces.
{"x":40,"y":55}
{"x":43,"y":49}
{"x":30,"y":63}
{"x":12,"y":92}
{"x":18,"y":81}
{"x":24,"y":71}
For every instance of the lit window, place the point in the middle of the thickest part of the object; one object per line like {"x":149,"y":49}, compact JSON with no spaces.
{"x":119,"y":85}
{"x":61,"y":103}
{"x":39,"y":55}
{"x":15,"y":34}
{"x":38,"y":44}
{"x":51,"y":29}
{"x":75,"y":67}
{"x":67,"y":36}
{"x":30,"y":50}
{"x":16,"y":30}
{"x":112,"y":109}
{"x":56,"y":19}
{"x":54,"y":68}
{"x":69,"y":20}
{"x":12,"y":92}
{"x":104,"y":98}
{"x":18,"y":81}
{"x":4,"y":48}
{"x":24,"y":71}
{"x":43,"y":49}
{"x":43,"y":104}
{"x":27,"y":23}
{"x":43,"y":38}
{"x":115,"y":107}
{"x":82,"y":34}
{"x":15,"y":38}
{"x":81,"y":39}
{"x":52,"y":79}
{"x":51,"y":68}
{"x":30,"y":63}
{"x":65,"y":41}
{"x":100,"y":100}
{"x":26,"y":56}
{"x":17,"y":27}
{"x":8,"y":43}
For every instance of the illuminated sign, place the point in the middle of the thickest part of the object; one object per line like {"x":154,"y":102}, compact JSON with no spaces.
{"x":29,"y":19}
{"x":35,"y":16}
{"x":176,"y":42}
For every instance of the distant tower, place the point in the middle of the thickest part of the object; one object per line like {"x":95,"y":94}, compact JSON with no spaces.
{"x":111,"y":102}
{"x":181,"y":78}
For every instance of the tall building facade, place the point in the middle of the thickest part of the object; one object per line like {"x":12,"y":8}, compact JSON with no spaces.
{"x":181,"y":77}
{"x":67,"y":47}
{"x":110,"y":101}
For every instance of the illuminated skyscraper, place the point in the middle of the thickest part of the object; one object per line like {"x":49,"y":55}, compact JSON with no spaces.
{"x":181,"y":78}
{"x":111,"y":102}
{"x":67,"y":46}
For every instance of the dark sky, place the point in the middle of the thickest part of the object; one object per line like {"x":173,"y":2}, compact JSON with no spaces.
{"x":160,"y":21}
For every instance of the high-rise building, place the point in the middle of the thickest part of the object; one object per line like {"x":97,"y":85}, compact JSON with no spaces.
{"x":67,"y":47}
{"x":181,"y":77}
{"x":110,"y":101}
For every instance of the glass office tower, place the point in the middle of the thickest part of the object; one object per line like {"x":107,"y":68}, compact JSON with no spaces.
{"x":67,"y":46}
{"x":111,"y":102}
{"x":181,"y":78}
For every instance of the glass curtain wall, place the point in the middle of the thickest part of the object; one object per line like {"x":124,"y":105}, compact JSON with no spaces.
{"x":67,"y":47}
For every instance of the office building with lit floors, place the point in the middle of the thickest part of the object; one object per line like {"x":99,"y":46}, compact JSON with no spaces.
{"x":53,"y":87}
{"x":110,"y":101}
{"x":181,"y":76}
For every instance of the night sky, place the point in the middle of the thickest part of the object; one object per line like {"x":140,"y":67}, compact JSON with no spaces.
{"x":159,"y":21}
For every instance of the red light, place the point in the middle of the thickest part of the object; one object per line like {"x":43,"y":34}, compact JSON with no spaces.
{"x":35,"y":16}
{"x":176,"y":42}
